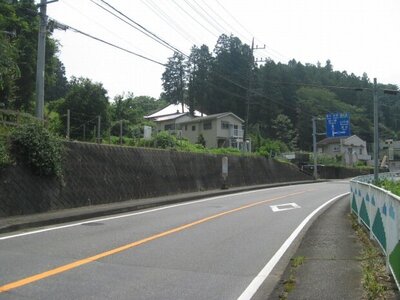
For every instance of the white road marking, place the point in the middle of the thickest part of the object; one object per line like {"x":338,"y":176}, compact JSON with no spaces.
{"x":137,"y":213}
{"x":283,"y":207}
{"x":250,"y":291}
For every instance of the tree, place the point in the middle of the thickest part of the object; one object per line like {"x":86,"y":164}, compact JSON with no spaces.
{"x":230,"y":76}
{"x":283,"y":130}
{"x":19,"y":19}
{"x":173,"y":78}
{"x":199,"y":65}
{"x":86,"y":100}
{"x":9,"y":71}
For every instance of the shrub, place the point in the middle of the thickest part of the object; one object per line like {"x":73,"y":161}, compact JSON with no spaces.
{"x":165,"y":140}
{"x":4,"y":157}
{"x":35,"y":147}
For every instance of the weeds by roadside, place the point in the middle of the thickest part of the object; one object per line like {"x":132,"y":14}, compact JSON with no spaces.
{"x":376,"y":281}
{"x":290,"y":283}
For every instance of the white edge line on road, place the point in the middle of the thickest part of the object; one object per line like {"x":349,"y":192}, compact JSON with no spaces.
{"x":136,"y":213}
{"x":250,"y":291}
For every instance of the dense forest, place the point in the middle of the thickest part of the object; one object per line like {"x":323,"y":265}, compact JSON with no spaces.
{"x":282,"y":98}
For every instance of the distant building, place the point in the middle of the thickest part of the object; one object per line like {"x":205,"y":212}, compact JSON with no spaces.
{"x":352,"y":149}
{"x":391,"y":150}
{"x":218,"y":130}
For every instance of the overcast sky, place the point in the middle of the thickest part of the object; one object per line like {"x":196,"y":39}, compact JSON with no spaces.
{"x":356,"y":35}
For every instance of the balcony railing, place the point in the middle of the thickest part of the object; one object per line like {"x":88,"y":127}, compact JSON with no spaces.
{"x":236,"y":133}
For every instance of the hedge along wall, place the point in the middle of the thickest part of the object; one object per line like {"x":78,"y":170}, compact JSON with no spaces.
{"x":96,"y":174}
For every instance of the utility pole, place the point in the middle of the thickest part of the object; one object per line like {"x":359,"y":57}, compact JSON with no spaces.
{"x":98,"y":129}
{"x":41,"y":50}
{"x":68,"y":123}
{"x":120,"y":132}
{"x":248,"y":93}
{"x":314,"y":133}
{"x":376,"y":133}
{"x":40,"y":60}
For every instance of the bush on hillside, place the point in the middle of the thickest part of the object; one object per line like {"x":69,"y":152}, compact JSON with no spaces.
{"x":37,"y":148}
{"x":4,"y":157}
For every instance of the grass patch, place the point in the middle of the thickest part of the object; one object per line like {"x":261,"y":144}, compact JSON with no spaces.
{"x":290,"y":283}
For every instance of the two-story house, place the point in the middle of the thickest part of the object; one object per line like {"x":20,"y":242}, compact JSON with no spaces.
{"x":352,"y":148}
{"x":218,"y":130}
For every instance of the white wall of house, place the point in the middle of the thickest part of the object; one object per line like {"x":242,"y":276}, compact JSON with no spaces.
{"x":172,"y":124}
{"x":352,"y":148}
{"x":207,"y":128}
{"x":213,"y":130}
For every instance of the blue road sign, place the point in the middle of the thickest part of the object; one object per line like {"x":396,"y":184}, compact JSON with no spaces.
{"x":337,"y":124}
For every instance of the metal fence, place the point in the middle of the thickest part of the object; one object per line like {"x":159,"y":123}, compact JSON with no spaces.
{"x":379,"y":211}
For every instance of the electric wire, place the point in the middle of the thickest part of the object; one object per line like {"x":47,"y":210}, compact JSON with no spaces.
{"x":142,"y":28}
{"x":100,"y":24}
{"x":188,"y":14}
{"x":169,"y":21}
{"x":110,"y":44}
{"x":214,"y":25}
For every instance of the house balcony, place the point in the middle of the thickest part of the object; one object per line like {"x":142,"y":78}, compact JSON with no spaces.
{"x":236,"y":133}
{"x":365,"y":157}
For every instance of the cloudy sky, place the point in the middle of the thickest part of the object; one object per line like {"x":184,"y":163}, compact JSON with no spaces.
{"x":356,"y":35}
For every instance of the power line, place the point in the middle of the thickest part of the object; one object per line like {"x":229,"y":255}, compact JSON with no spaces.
{"x":213,"y":24}
{"x":184,"y":10}
{"x":169,"y":21}
{"x":100,"y":24}
{"x":142,"y":29}
{"x":107,"y":43}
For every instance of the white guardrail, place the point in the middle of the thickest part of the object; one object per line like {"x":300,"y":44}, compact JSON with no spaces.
{"x":379,"y":211}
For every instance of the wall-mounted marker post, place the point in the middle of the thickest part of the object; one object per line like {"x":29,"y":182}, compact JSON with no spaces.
{"x":224,"y":172}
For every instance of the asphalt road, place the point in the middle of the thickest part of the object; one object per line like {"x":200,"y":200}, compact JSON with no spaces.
{"x":216,"y":248}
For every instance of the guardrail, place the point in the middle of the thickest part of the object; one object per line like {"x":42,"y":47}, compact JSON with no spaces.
{"x":379,"y":211}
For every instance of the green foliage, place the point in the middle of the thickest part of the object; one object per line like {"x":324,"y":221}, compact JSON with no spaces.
{"x":4,"y":156}
{"x":272,"y":148}
{"x":165,"y":140}
{"x":86,"y":100}
{"x":390,"y":185}
{"x":201,"y":140}
{"x":174,"y":79}
{"x":35,"y":147}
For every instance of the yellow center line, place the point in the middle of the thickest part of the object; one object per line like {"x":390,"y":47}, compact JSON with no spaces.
{"x":75,"y":264}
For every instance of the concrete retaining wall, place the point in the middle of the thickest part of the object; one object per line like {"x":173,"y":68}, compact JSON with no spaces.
{"x":95,"y":174}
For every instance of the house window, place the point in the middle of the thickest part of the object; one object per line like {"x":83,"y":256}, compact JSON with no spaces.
{"x":224,"y":125}
{"x":336,"y":148}
{"x":360,"y":151}
{"x":207,"y":126}
{"x":169,"y":127}
{"x":193,"y":127}
{"x":185,"y":127}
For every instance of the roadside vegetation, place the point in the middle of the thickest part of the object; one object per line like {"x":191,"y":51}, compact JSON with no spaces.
{"x":376,"y":282}
{"x":390,"y":185}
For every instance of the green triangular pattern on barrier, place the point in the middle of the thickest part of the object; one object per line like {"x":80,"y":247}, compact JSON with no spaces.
{"x":379,"y":230}
{"x":364,"y":213}
{"x":394,"y":260}
{"x":354,"y":205}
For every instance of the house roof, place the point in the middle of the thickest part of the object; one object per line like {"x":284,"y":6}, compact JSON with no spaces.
{"x":172,"y":109}
{"x":212,"y":117}
{"x":169,"y":117}
{"x":336,"y":140}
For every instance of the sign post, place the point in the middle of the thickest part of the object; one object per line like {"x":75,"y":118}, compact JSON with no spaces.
{"x":224,"y":172}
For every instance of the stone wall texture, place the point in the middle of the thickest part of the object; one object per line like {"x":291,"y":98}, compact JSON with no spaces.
{"x":98,"y":174}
